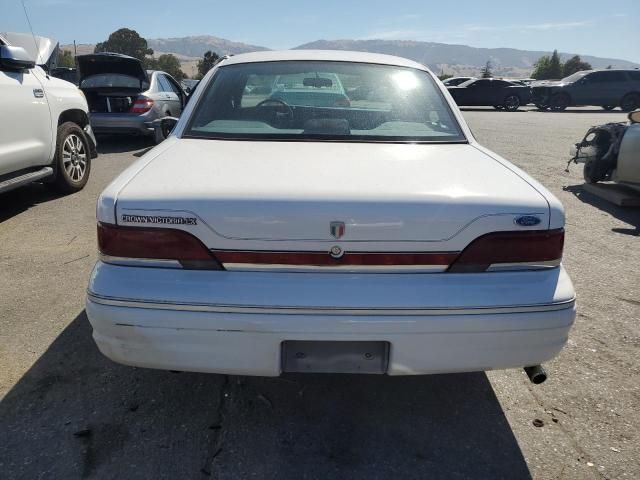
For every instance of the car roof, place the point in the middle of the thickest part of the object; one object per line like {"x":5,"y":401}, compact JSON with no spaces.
{"x":608,"y":70}
{"x":322,"y":55}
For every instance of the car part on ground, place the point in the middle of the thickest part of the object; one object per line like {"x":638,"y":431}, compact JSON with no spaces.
{"x":611,"y":152}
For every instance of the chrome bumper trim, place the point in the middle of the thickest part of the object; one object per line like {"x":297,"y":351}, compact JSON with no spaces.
{"x":356,"y":311}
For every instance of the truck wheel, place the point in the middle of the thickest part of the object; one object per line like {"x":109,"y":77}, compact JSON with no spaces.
{"x":630,"y":102}
{"x":608,"y":108}
{"x":559,"y":102}
{"x":72,"y":160}
{"x":511,"y":103}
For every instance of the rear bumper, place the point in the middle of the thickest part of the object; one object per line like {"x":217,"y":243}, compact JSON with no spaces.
{"x":122,"y":123}
{"x":245,"y":337}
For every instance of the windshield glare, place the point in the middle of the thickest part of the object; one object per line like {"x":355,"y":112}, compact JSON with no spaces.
{"x":573,"y":77}
{"x":296,"y":100}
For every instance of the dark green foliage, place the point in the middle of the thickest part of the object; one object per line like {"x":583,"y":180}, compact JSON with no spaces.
{"x":208,"y":61}
{"x":127,"y":42}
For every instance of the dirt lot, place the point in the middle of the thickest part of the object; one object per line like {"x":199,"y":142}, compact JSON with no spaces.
{"x":67,"y":412}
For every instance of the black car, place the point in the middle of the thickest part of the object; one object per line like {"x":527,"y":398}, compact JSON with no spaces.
{"x":65,"y":73}
{"x":491,"y":92}
{"x":606,"y":88}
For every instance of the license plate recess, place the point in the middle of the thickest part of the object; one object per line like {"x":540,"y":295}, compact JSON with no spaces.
{"x":334,"y":357}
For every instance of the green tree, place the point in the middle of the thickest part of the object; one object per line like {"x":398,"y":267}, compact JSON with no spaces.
{"x":486,"y":70}
{"x":541,"y":68}
{"x":555,"y":65}
{"x":127,"y":42}
{"x":573,"y":65}
{"x":208,"y":61}
{"x":548,"y":67}
{"x":167,"y":63}
{"x":65,"y":59}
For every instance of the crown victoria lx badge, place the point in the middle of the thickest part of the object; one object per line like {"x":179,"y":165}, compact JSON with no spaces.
{"x":337,"y":229}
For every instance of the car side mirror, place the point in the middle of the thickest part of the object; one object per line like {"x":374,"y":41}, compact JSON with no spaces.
{"x":167,"y":124}
{"x":634,"y":117}
{"x":163,"y":126}
{"x":15,"y":58}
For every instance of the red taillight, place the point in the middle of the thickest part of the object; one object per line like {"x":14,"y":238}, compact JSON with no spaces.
{"x":142,"y":105}
{"x":511,"y":250}
{"x":342,"y":102}
{"x":155,"y":244}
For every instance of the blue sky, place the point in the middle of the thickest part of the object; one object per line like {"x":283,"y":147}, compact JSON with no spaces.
{"x":607,"y":29}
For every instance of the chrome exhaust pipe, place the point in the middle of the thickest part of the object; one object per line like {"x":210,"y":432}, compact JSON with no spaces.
{"x":536,"y":374}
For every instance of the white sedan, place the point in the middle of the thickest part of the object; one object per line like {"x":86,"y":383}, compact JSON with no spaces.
{"x":360,"y":229}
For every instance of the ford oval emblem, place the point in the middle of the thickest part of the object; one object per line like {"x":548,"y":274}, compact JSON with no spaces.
{"x":527,"y":221}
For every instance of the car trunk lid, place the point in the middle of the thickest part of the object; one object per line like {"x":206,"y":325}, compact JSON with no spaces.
{"x":306,"y":196}
{"x":111,"y":82}
{"x":110,"y":63}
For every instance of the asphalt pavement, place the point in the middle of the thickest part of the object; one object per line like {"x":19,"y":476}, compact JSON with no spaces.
{"x":68,"y":412}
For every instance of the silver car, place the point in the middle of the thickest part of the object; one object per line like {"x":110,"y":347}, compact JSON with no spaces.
{"x":123,"y":97}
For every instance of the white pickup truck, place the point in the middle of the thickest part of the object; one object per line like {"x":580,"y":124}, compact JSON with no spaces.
{"x":45,"y":133}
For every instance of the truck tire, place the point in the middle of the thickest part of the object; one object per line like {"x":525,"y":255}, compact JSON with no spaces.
{"x":630,"y":102}
{"x":559,"y":102}
{"x":72,"y":161}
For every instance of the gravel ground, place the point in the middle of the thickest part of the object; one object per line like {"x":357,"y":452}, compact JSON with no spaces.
{"x":67,"y":412}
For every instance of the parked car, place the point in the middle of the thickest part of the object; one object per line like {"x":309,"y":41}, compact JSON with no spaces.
{"x":123,"y":97}
{"x":609,"y":89}
{"x":501,"y":94}
{"x":376,"y":237}
{"x":455,"y":81}
{"x":65,"y":73}
{"x":45,"y":133}
{"x":611,"y":152}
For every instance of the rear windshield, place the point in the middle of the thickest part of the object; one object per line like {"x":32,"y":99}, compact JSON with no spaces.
{"x":296,"y":100}
{"x":110,"y":80}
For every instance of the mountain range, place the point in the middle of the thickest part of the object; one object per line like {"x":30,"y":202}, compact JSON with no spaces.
{"x":440,"y":57}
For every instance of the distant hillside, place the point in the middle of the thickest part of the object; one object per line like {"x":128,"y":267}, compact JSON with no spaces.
{"x":188,"y":49}
{"x":458,"y":58}
{"x":196,"y":46}
{"x":440,"y":57}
